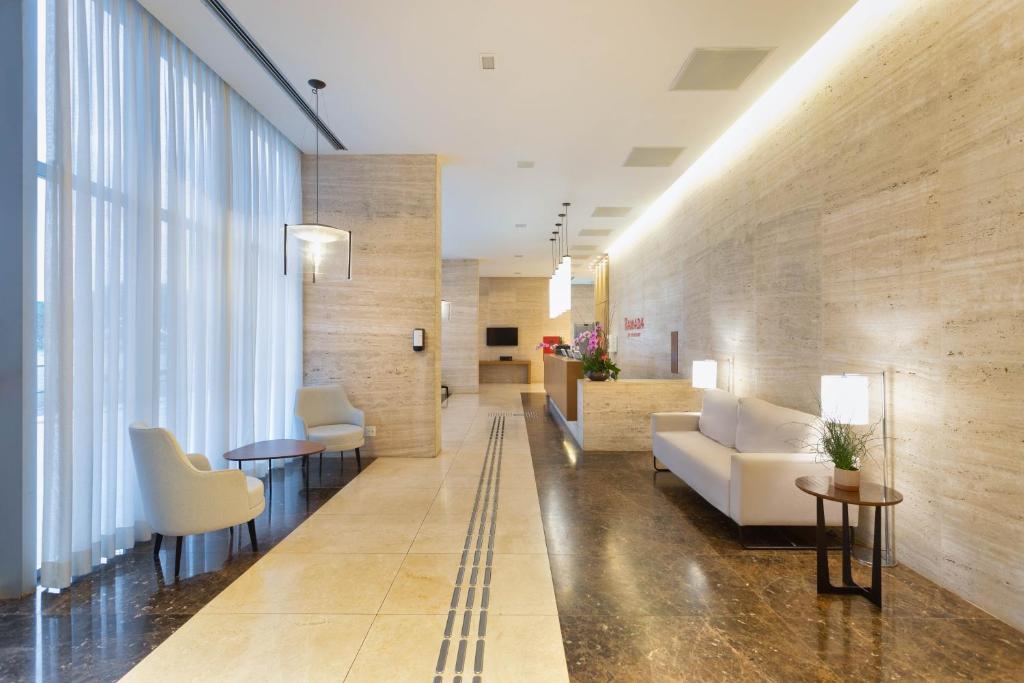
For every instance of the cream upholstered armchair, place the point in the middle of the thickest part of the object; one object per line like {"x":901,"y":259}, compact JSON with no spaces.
{"x":182,"y":496}
{"x":329,"y":418}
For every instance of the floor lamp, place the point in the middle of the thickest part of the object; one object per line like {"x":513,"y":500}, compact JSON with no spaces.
{"x":847,"y":397}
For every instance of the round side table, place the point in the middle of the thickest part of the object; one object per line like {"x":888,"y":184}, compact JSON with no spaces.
{"x":872,"y":495}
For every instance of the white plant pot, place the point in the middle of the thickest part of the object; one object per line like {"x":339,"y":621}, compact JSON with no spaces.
{"x":846,"y":480}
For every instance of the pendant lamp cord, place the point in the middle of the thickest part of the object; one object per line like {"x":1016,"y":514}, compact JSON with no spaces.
{"x":316,"y":134}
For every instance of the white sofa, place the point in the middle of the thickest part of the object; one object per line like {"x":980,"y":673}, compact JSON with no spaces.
{"x":743,"y":455}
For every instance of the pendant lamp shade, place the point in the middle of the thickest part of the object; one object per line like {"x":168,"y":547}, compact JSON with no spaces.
{"x":316,"y":234}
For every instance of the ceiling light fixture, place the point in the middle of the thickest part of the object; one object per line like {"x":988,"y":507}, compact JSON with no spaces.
{"x":316,"y":233}
{"x":560,"y":284}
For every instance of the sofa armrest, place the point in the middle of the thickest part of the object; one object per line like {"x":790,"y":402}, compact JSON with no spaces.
{"x":674,"y":422}
{"x":762,"y":490}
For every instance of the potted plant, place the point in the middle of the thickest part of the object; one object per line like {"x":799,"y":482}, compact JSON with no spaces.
{"x":846,"y":447}
{"x":592,"y":346}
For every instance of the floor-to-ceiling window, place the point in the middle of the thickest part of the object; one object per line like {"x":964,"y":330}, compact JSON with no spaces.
{"x":162,"y":196}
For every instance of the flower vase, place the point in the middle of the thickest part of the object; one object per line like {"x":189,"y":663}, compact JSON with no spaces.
{"x":597,"y":375}
{"x":846,"y":480}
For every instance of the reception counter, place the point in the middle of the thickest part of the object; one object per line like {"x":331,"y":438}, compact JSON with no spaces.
{"x":561,"y":377}
{"x":612,"y":415}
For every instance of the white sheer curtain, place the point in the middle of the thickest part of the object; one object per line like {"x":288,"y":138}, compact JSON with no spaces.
{"x":165,"y":199}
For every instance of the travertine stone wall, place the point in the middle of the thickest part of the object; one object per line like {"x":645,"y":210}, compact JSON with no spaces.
{"x":880,"y":226}
{"x":460,"y":285}
{"x":359,"y":332}
{"x":518,"y":302}
{"x":582,"y":304}
{"x":616,"y":416}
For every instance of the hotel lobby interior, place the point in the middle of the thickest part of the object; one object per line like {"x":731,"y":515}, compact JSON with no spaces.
{"x":538,"y":341}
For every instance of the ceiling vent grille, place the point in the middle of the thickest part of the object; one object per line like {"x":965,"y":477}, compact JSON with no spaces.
{"x":487,"y":62}
{"x":611,"y":211}
{"x":595,"y":232}
{"x":719,"y":68}
{"x":649,"y":157}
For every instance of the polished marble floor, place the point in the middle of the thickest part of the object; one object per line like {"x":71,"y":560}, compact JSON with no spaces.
{"x":107,"y":621}
{"x":652,"y":585}
{"x":590,"y":568}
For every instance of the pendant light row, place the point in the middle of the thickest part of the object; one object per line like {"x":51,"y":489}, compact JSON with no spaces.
{"x":560,"y":284}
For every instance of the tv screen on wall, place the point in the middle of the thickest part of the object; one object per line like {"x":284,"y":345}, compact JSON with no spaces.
{"x":503,"y":336}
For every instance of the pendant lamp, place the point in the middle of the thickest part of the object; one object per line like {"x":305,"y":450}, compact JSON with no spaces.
{"x":317,"y":234}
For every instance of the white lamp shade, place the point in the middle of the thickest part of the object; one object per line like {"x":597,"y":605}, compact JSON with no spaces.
{"x":316,"y":233}
{"x":845,"y":398}
{"x":705,"y":374}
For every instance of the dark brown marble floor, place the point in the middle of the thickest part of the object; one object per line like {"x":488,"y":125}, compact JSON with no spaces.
{"x":652,"y":584}
{"x":108,"y":620}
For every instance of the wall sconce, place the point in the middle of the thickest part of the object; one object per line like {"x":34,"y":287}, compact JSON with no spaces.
{"x":705,"y":374}
{"x":446,"y":310}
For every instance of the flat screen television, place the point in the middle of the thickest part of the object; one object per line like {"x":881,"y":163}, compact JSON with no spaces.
{"x":503,"y":336}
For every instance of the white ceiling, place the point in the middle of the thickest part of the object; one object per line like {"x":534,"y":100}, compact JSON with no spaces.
{"x":577,"y":85}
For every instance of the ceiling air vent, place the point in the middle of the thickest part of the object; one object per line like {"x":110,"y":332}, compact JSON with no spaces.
{"x":647,"y":157}
{"x":524,"y":164}
{"x":487,"y":62}
{"x":595,"y":232}
{"x":611,"y":211}
{"x":719,"y":68}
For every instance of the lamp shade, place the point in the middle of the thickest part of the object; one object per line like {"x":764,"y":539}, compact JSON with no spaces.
{"x":705,"y":374}
{"x":845,"y":398}
{"x":317,"y":233}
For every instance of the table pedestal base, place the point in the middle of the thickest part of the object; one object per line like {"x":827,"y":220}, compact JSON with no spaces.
{"x":849,"y":587}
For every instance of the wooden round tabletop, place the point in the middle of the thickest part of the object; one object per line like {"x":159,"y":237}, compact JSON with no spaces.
{"x":275,"y":448}
{"x":874,"y":495}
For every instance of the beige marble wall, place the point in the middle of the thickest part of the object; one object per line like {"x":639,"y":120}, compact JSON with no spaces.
{"x":582,"y":304}
{"x":359,"y":332}
{"x":518,"y":302}
{"x":879,"y":226}
{"x":460,"y":285}
{"x":616,"y":416}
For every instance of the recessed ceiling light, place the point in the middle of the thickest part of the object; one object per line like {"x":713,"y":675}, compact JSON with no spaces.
{"x":487,"y":62}
{"x":611,"y":211}
{"x":595,"y":232}
{"x":524,"y":164}
{"x":642,"y":157}
{"x":718,"y":68}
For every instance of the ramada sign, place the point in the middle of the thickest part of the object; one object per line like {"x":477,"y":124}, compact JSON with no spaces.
{"x":634,"y":326}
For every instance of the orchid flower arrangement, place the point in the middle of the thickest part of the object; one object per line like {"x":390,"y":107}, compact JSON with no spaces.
{"x":592,"y":346}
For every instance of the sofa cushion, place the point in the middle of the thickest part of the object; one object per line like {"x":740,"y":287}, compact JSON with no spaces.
{"x":704,"y":464}
{"x":763,"y":427}
{"x":718,"y":416}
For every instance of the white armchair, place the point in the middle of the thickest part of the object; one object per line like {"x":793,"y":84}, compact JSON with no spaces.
{"x":182,"y":496}
{"x":328,"y":417}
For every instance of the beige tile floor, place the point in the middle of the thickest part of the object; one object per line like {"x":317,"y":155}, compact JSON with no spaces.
{"x":361,"y":591}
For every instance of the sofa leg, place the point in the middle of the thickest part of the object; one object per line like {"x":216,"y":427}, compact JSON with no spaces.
{"x":177,"y":556}
{"x":654,"y":463}
{"x":252,"y":536}
{"x":157,"y":540}
{"x":359,"y":461}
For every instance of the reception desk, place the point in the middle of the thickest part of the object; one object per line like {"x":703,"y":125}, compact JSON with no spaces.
{"x":561,"y":382}
{"x":612,"y":415}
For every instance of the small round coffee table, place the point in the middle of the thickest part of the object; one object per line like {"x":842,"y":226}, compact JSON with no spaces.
{"x":872,"y":495}
{"x":274,"y":450}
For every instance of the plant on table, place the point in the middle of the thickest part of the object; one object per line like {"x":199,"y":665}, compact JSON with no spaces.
{"x":845,"y":446}
{"x":592,"y":345}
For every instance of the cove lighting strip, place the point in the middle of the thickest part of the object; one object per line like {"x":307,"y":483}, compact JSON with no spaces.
{"x":856,"y":29}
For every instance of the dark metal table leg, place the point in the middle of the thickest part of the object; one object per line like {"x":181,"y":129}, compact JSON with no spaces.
{"x":824,"y":585}
{"x":305,"y":463}
{"x":875,"y":594}
{"x":847,"y":547}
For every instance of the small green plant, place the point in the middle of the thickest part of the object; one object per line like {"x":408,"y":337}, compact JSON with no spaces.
{"x":845,"y":446}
